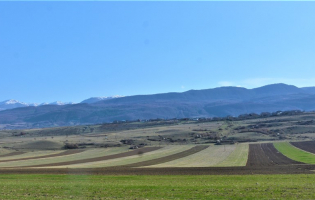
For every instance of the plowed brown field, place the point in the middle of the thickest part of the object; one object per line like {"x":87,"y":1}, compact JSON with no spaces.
{"x":306,"y":146}
{"x":266,"y":155}
{"x":65,"y":153}
{"x":276,"y":169}
{"x":276,"y":157}
{"x":170,"y":157}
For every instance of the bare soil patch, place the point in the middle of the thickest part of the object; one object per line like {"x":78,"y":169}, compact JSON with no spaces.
{"x":266,"y":154}
{"x":306,"y":146}
{"x":170,"y":157}
{"x":257,"y":156}
{"x":65,"y":153}
{"x":120,"y":155}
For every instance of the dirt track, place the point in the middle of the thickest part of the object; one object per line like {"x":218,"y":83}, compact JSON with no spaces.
{"x":69,"y":152}
{"x":120,"y":155}
{"x":170,"y":157}
{"x":276,"y":169}
{"x":12,"y":154}
{"x":266,"y":154}
{"x":306,"y":146}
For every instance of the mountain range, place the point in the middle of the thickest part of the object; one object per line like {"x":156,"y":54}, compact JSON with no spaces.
{"x":12,"y":103}
{"x":216,"y":102}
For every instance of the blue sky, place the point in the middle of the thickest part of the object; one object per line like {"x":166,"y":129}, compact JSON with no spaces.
{"x":70,"y":51}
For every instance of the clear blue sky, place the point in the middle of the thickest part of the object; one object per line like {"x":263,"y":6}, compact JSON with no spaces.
{"x":70,"y":51}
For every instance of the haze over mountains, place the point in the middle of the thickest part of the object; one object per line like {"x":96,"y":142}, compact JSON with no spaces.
{"x":12,"y":103}
{"x":217,"y":102}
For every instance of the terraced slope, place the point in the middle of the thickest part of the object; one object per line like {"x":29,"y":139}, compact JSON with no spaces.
{"x":165,"y":159}
{"x":64,"y":153}
{"x":165,"y":151}
{"x":107,"y":157}
{"x":237,"y":158}
{"x":306,"y":146}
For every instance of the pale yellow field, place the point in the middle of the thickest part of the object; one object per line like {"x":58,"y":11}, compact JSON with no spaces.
{"x":78,"y":156}
{"x":237,"y":158}
{"x":4,"y":151}
{"x":206,"y":158}
{"x":165,"y":151}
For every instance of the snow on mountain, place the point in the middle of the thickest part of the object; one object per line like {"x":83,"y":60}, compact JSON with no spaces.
{"x":12,"y":103}
{"x":96,"y":99}
{"x":60,"y":103}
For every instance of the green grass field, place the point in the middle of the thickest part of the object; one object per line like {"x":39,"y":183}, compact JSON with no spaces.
{"x":157,"y":187}
{"x":294,"y":153}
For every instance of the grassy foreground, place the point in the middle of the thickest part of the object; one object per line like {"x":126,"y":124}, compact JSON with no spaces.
{"x":294,"y":153}
{"x":157,"y":187}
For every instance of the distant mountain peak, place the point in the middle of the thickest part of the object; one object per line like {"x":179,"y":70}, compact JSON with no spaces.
{"x":96,"y":99}
{"x":12,"y":101}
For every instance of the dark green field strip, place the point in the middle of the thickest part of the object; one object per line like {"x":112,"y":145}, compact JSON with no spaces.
{"x":120,"y":155}
{"x":306,"y":146}
{"x":65,"y":153}
{"x":165,"y":159}
{"x":12,"y":154}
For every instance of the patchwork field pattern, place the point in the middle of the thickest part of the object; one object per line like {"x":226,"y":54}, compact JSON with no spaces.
{"x":165,"y":159}
{"x":123,"y":161}
{"x":93,"y":153}
{"x":205,"y":158}
{"x":43,"y":154}
{"x":184,"y":158}
{"x":107,"y":157}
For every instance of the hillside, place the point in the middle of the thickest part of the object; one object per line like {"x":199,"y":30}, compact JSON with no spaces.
{"x":194,"y":103}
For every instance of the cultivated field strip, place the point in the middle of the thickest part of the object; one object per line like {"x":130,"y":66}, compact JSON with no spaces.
{"x":205,"y":158}
{"x":93,"y":153}
{"x":64,"y":153}
{"x":237,"y":158}
{"x":266,"y":154}
{"x":295,"y":153}
{"x":107,"y":157}
{"x":12,"y":154}
{"x":308,"y":146}
{"x":257,"y":156}
{"x":165,"y":159}
{"x":28,"y":154}
{"x":275,"y":156}
{"x":165,"y":151}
